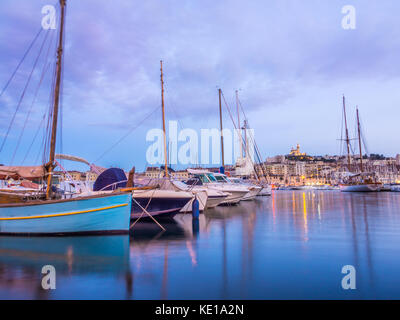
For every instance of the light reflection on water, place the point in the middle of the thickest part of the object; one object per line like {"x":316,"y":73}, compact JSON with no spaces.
{"x":291,"y":245}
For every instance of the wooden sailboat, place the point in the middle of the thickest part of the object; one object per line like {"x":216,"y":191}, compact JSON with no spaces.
{"x":362,"y":181}
{"x":98,"y":213}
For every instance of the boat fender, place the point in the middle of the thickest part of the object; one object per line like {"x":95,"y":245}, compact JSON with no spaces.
{"x":195,"y":209}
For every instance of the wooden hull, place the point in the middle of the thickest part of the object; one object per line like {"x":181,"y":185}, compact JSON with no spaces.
{"x":7,"y":197}
{"x":86,"y":215}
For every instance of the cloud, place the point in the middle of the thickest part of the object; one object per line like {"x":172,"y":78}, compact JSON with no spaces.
{"x":274,"y":52}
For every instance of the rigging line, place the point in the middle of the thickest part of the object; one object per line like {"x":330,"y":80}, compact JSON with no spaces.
{"x":248,"y":123}
{"x":29,"y":113}
{"x":244,"y":114}
{"x":229,"y":111}
{"x":41,"y":125}
{"x":23,"y":93}
{"x":128,"y":133}
{"x":233,"y":122}
{"x":363,"y":137}
{"x":170,"y":105}
{"x":44,"y":71}
{"x":257,"y":150}
{"x":35,"y":136}
{"x":234,"y":125}
{"x":20,"y":62}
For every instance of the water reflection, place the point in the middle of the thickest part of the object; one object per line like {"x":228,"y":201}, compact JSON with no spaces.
{"x":291,"y":245}
{"x":22,"y":259}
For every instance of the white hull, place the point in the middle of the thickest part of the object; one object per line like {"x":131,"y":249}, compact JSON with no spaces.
{"x":360,"y":188}
{"x":208,"y":198}
{"x":252,"y":194}
{"x":234,"y":196}
{"x":213,"y":202}
{"x":395,"y":188}
{"x":265,"y":191}
{"x":202,"y":197}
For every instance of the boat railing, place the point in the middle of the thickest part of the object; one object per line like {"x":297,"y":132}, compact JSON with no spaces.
{"x":113,"y":185}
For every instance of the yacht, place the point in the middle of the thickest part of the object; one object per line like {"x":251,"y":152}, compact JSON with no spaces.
{"x":254,"y":189}
{"x":214,"y":197}
{"x":220,"y":183}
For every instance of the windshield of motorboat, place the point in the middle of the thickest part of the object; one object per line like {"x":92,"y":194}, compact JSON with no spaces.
{"x":220,"y":178}
{"x":196,"y":181}
{"x":181,"y":185}
{"x":211,"y":177}
{"x":203,"y":178}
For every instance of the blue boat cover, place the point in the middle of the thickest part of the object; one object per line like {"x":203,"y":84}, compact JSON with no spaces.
{"x":110,"y":179}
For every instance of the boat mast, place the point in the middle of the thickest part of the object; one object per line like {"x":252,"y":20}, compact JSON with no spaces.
{"x":239,"y":130}
{"x":163,"y":120}
{"x":50,"y":165}
{"x":220,"y":122}
{"x":347,"y":134}
{"x":359,"y":139}
{"x":245,"y":139}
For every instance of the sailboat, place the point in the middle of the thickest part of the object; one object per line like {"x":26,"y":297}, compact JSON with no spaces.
{"x":245,"y":167}
{"x":47,"y":215}
{"x":166,"y":200}
{"x":361,"y":181}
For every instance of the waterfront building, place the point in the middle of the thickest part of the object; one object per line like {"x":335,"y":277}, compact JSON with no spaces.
{"x":298,"y":168}
{"x":296,"y":152}
{"x":180,"y":175}
{"x":154,"y":172}
{"x":91,"y":176}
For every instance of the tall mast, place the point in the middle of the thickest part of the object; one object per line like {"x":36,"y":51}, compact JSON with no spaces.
{"x":163,"y":121}
{"x":347,"y":134}
{"x":220,"y":122}
{"x":239,"y":130}
{"x":50,"y":164}
{"x":359,"y":139}
{"x":245,"y":139}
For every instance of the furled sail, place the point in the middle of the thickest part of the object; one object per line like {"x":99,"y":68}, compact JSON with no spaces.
{"x":93,"y":168}
{"x":71,"y":158}
{"x":25,"y":172}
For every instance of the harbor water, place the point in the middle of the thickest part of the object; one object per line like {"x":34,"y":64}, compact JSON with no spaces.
{"x":291,"y":245}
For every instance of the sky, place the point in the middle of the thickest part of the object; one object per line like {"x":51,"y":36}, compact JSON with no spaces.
{"x":291,"y":62}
